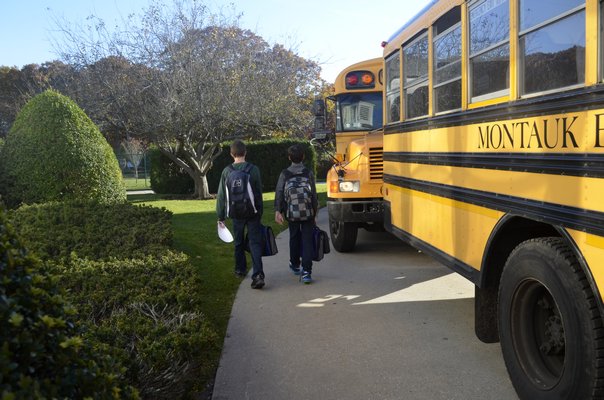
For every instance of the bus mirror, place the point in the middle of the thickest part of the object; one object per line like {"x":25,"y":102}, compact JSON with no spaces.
{"x":320,"y":132}
{"x":319,"y":108}
{"x":319,"y":123}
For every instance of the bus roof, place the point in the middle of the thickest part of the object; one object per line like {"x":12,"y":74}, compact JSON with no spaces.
{"x":420,"y":21}
{"x":374,"y":65}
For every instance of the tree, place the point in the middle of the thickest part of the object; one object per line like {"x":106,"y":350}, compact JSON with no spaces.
{"x":188,"y":79}
{"x":19,"y":86}
{"x":134,"y":152}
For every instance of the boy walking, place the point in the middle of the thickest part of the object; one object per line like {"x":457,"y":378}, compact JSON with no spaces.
{"x":239,"y":197}
{"x":296,"y":200}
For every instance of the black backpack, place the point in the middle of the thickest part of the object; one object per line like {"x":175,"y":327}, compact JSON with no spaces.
{"x":298,"y":196}
{"x":240,"y":196}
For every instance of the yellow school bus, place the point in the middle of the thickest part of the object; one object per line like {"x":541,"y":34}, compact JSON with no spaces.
{"x":494,"y":165}
{"x":354,"y":198}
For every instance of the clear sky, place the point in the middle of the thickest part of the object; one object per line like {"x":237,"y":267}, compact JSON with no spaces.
{"x":335,"y":33}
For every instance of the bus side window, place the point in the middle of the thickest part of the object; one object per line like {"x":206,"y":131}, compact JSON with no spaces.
{"x":489,"y":49}
{"x":415,"y":71}
{"x":552,"y":44}
{"x":393,"y":90}
{"x":447,"y":61}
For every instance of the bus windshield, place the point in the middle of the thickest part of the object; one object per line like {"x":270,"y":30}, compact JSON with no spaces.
{"x":358,"y":112}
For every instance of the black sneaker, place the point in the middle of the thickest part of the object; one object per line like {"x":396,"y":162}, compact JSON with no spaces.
{"x":258,"y":282}
{"x":240,"y":274}
{"x":295,"y":270}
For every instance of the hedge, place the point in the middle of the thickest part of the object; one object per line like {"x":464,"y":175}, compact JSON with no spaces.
{"x":137,"y":298}
{"x":270,"y":156}
{"x":60,"y":229}
{"x":147,"y":309}
{"x":43,"y":353}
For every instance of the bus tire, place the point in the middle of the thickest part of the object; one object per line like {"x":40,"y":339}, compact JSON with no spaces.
{"x":343,"y":235}
{"x":550,"y":324}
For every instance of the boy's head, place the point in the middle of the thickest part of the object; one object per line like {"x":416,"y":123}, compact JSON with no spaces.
{"x":295,"y":153}
{"x":238,"y":148}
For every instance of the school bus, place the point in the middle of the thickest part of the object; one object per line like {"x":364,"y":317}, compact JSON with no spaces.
{"x":494,"y":165}
{"x":354,"y":198}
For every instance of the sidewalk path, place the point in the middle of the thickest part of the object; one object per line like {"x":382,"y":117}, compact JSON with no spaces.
{"x":384,"y":322}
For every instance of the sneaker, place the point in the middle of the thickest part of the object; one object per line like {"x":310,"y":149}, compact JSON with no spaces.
{"x":240,"y":274}
{"x":306,"y":278}
{"x":295,"y":270}
{"x":258,"y":282}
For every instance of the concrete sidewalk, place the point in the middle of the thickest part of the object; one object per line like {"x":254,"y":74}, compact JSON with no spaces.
{"x":384,"y":322}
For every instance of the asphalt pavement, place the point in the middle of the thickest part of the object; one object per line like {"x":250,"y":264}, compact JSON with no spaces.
{"x":383,"y":322}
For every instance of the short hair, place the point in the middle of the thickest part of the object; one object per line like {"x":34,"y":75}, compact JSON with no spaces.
{"x":295,"y":153}
{"x":238,"y":148}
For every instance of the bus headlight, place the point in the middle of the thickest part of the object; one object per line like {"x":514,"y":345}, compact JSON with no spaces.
{"x":350,"y":186}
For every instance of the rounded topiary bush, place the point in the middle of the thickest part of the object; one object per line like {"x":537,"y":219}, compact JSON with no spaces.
{"x":43,"y":355}
{"x":54,"y":151}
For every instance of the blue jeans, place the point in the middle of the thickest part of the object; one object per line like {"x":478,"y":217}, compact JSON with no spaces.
{"x":300,"y":244}
{"x":255,"y":238}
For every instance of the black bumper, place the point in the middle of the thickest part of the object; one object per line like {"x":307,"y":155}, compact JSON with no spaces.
{"x":356,"y":211}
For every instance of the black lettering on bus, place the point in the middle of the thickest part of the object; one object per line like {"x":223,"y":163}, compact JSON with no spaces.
{"x":496,"y":140}
{"x":522,"y":124}
{"x":566,"y":133}
{"x":535,"y":134}
{"x":510,"y":136}
{"x":484,"y":138}
{"x":546,"y":136}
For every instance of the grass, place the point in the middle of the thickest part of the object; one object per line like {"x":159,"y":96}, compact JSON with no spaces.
{"x":137,"y":184}
{"x":194,"y":224}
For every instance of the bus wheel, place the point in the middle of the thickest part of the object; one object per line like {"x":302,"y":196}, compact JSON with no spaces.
{"x":549,"y":324}
{"x":343,"y":235}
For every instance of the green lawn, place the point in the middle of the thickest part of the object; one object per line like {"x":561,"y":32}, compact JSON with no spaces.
{"x":194,"y":223}
{"x":137,"y":184}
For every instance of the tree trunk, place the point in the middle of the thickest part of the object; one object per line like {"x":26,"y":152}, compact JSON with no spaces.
{"x":202,"y":190}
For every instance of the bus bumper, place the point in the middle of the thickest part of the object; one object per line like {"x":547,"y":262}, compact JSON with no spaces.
{"x":365,"y":211}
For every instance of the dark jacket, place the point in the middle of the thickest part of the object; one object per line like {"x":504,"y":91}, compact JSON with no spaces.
{"x":280,"y":204}
{"x":255,"y":181}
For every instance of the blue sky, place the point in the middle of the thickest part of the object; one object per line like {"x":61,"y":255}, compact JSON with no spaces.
{"x":335,"y":33}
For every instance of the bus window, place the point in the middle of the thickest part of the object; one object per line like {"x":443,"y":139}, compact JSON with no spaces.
{"x":393,"y":90}
{"x":552,"y":44}
{"x":447,"y":61}
{"x":359,"y":112}
{"x":415,"y":70}
{"x":489,"y":49}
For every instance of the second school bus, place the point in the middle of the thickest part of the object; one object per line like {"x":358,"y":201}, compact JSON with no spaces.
{"x":494,"y":165}
{"x":354,"y":198}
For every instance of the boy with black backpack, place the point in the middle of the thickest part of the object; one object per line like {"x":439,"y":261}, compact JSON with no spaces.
{"x":239,"y":197}
{"x":296,"y":200}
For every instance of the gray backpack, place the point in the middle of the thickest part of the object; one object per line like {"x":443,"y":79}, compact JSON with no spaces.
{"x":298,"y":196}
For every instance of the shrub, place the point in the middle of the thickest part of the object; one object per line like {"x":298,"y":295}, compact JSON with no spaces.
{"x":54,"y":151}
{"x":42,"y":353}
{"x":97,"y":231}
{"x":147,"y":308}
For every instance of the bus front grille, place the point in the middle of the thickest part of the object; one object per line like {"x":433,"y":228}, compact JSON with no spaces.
{"x":376,"y":163}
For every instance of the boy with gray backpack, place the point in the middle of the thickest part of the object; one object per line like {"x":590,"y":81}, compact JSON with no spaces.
{"x":296,"y":201}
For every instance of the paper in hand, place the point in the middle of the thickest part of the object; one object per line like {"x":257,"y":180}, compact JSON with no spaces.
{"x":224,"y":234}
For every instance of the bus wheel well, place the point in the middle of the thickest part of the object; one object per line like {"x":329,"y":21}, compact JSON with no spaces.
{"x":509,"y":233}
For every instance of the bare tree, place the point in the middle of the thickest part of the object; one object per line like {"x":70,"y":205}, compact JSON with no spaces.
{"x":134,"y":151}
{"x":187,"y":79}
